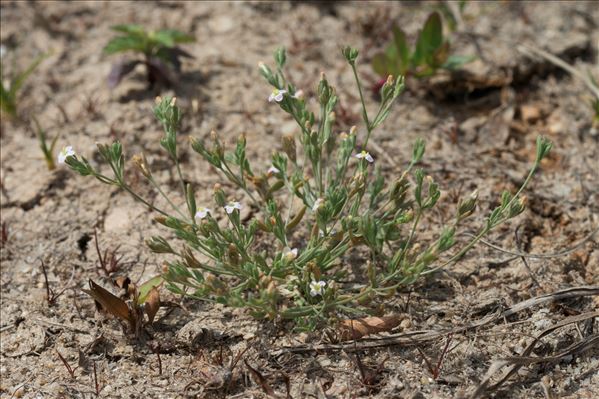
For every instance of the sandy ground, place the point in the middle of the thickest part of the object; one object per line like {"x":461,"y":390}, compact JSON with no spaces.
{"x":480,"y":130}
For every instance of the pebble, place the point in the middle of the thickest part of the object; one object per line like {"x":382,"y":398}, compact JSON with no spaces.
{"x":530,"y":113}
{"x":405,"y":324}
{"x":221,"y":24}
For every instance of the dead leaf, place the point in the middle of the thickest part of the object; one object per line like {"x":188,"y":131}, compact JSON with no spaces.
{"x":152,"y":304}
{"x":122,"y":282}
{"x":358,"y":328}
{"x":109,"y":302}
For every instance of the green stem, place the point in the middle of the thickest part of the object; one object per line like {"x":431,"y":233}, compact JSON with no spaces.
{"x":175,"y":207}
{"x":364,"y":112}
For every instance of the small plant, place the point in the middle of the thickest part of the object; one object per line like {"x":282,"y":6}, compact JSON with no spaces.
{"x":9,"y":95}
{"x":160,"y":53}
{"x":317,"y":203}
{"x":47,"y":150}
{"x":139,"y":300}
{"x":431,"y":52}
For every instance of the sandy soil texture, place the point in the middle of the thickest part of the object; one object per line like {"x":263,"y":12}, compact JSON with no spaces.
{"x":537,"y":314}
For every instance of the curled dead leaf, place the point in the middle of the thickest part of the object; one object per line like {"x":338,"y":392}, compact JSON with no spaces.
{"x":152,"y":304}
{"x":358,"y":328}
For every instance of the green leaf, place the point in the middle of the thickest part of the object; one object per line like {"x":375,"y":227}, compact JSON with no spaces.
{"x":454,"y":62}
{"x":18,"y":81}
{"x":120,"y":44}
{"x":380,"y":64}
{"x":130,"y":29}
{"x":429,"y":40}
{"x":7,"y":103}
{"x":403,"y":51}
{"x":440,"y":56}
{"x":170,"y":37}
{"x":145,"y":288}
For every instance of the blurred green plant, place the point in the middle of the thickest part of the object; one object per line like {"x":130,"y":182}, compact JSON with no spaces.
{"x":431,"y":52}
{"x":452,"y":12}
{"x":315,"y":209}
{"x":9,"y":93}
{"x":160,"y":54}
{"x":47,"y":150}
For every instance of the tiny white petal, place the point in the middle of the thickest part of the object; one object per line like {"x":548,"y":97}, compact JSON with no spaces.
{"x":317,"y":287}
{"x":364,"y":155}
{"x":231,"y":206}
{"x":290,"y":254}
{"x":272,"y":170}
{"x":298,"y":94}
{"x":276,"y":95}
{"x":317,"y":204}
{"x":202,"y":213}
{"x":64,"y":153}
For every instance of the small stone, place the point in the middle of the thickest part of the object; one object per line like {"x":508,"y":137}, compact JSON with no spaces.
{"x":221,"y":24}
{"x":19,"y":392}
{"x":405,"y":324}
{"x":530,"y":113}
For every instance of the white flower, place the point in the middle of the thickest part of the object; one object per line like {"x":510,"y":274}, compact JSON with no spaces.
{"x":317,"y":287}
{"x":272,"y":171}
{"x":365,"y":155}
{"x":202,"y":213}
{"x":290,"y":254}
{"x":231,"y":206}
{"x":298,"y":94}
{"x":276,"y":95}
{"x":66,"y":152}
{"x":317,"y":204}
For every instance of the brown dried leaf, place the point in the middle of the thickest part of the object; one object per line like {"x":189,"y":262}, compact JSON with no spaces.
{"x":358,"y":328}
{"x":109,"y":302}
{"x":122,"y":282}
{"x":152,"y":304}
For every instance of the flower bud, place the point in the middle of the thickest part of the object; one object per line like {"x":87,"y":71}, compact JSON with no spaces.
{"x":467,"y":207}
{"x":190,"y":259}
{"x":518,"y":207}
{"x":161,"y":220}
{"x":218,"y":148}
{"x":271,"y":290}
{"x":159,"y":245}
{"x":350,"y":54}
{"x":139,"y":160}
{"x":233,"y":255}
{"x":388,"y":88}
{"x":324,"y":90}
